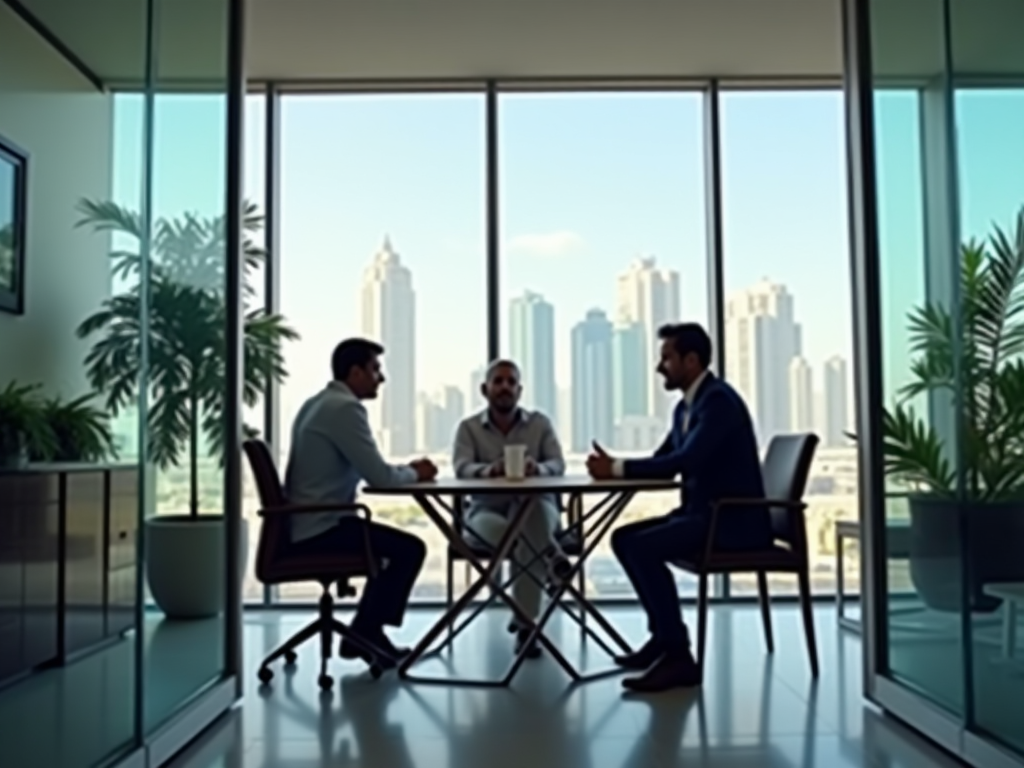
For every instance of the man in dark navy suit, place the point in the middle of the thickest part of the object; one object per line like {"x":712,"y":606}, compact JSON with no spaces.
{"x":713,"y":446}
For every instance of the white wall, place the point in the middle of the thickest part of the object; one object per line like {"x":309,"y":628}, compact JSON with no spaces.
{"x":48,"y":109}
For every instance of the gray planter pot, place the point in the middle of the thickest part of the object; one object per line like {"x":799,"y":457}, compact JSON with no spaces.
{"x":962,"y":546}
{"x":185,"y":564}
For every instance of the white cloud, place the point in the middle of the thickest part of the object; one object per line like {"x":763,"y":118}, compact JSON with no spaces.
{"x":546,"y":244}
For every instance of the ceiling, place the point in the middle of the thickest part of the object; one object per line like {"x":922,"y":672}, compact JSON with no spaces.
{"x":372,"y":39}
{"x":332,"y":40}
{"x":368,"y":40}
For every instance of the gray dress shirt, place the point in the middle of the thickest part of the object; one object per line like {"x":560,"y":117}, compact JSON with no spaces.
{"x":478,"y":444}
{"x":332,"y":450}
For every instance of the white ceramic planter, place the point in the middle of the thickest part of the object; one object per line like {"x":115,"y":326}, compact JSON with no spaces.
{"x":185,"y":564}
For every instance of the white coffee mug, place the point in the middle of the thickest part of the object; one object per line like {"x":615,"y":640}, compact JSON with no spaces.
{"x":515,"y":462}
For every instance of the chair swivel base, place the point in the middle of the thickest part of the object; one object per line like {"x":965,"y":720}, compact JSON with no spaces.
{"x":329,"y":630}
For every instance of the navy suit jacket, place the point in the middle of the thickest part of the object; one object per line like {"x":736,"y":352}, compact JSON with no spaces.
{"x":718,"y":459}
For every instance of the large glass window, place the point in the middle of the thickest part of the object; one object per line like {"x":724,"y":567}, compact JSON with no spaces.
{"x":602,"y":238}
{"x":903,"y":288}
{"x":951,"y":250}
{"x":990,"y":153}
{"x":255,"y":196}
{"x":788,"y":333}
{"x":383,"y":236}
{"x":602,"y":231}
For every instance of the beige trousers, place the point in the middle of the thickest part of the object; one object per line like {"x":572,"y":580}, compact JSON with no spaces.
{"x":538,"y":534}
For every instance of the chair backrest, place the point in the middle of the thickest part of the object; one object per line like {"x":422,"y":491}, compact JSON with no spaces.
{"x":785,"y":470}
{"x":275,"y":533}
{"x":268,"y":482}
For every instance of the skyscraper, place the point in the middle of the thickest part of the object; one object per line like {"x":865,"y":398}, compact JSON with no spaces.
{"x":761,"y":340}
{"x":429,"y":415}
{"x":476,"y":398}
{"x":389,"y":317}
{"x":532,"y":346}
{"x":631,"y":369}
{"x":437,"y":418}
{"x":801,"y":396}
{"x":649,"y":297}
{"x":836,"y":402}
{"x":592,"y":405}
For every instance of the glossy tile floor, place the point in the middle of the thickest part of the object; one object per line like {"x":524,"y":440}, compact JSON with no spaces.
{"x":753,"y":710}
{"x":44,"y":724}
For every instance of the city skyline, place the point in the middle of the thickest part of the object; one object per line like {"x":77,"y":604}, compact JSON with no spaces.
{"x":609,"y":397}
{"x":589,"y":183}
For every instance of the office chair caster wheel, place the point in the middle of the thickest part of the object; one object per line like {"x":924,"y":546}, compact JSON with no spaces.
{"x":326,"y":682}
{"x":265,"y":675}
{"x":376,"y":671}
{"x":290,"y":658}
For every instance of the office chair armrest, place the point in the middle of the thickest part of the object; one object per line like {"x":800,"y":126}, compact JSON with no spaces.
{"x":303,"y":509}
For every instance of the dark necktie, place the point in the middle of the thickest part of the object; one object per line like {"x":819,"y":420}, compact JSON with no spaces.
{"x":684,"y":417}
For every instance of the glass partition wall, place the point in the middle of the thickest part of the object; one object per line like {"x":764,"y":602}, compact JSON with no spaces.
{"x":121,"y":358}
{"x":937,"y":121}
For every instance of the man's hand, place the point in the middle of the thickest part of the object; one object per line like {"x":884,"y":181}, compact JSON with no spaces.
{"x":531,"y":467}
{"x":599,"y":463}
{"x":496,"y":469}
{"x":426,"y":470}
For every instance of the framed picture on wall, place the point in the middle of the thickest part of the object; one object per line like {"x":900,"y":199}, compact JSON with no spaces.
{"x":13,"y":197}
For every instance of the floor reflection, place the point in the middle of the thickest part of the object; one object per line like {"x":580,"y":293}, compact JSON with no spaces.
{"x":755,"y":710}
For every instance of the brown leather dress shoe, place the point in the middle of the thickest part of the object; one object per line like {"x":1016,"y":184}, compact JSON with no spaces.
{"x":671,"y":671}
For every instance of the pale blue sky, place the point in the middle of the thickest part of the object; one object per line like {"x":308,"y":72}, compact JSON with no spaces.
{"x":587,"y":182}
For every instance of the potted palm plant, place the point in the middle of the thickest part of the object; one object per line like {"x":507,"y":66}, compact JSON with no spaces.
{"x":185,"y":376}
{"x":966,"y":481}
{"x":81,"y":431}
{"x":24,"y":430}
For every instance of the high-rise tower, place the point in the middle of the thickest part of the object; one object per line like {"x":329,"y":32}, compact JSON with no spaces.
{"x":389,"y":317}
{"x":761,"y":340}
{"x":649,"y":297}
{"x":532,"y":347}
{"x":592,"y":405}
{"x":836,"y":402}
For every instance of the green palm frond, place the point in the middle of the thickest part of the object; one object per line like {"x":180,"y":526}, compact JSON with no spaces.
{"x":23,"y":424}
{"x":914,"y":452}
{"x":186,"y":332}
{"x":81,"y":431}
{"x":975,"y":355}
{"x":189,"y":249}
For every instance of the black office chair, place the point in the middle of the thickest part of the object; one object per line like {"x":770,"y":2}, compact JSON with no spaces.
{"x":277,"y":563}
{"x":786,"y":467}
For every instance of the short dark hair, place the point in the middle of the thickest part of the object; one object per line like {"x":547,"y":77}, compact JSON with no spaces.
{"x":501,"y":363}
{"x":352,"y":353}
{"x":687,"y":338}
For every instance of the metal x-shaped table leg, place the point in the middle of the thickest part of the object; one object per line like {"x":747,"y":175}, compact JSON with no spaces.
{"x":486,"y":571}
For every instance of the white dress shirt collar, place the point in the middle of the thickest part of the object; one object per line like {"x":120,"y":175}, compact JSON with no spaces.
{"x":691,"y":391}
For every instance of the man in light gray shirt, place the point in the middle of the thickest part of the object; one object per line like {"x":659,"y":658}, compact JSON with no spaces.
{"x":479,"y":452}
{"x":332,"y":450}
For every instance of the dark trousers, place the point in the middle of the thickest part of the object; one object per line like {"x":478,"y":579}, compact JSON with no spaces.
{"x":645,"y":549}
{"x":400,"y":556}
